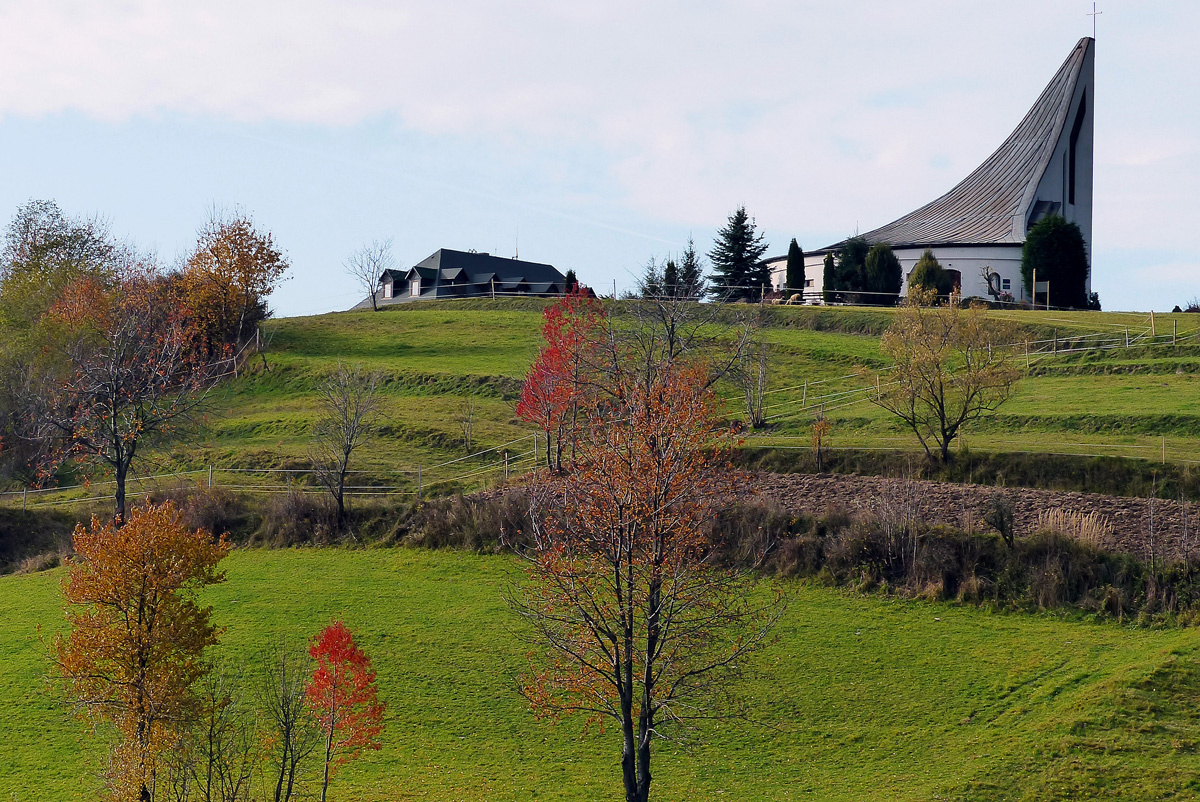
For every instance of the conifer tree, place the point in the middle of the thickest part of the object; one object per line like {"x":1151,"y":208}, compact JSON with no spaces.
{"x":794,"y":274}
{"x":1055,"y":248}
{"x":671,"y":279}
{"x":828,"y":278}
{"x":736,"y":255}
{"x":884,"y":275}
{"x":691,"y":273}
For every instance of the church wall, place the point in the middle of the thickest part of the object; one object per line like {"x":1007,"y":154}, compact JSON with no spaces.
{"x":969,"y":262}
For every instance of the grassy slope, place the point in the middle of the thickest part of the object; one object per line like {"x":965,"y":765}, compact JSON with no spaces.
{"x":862,"y":698}
{"x":435,"y":356}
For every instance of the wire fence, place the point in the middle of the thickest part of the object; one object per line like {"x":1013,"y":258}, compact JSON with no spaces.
{"x":474,"y":471}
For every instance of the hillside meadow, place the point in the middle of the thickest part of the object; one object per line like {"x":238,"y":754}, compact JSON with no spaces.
{"x":435,"y":356}
{"x":861,"y":698}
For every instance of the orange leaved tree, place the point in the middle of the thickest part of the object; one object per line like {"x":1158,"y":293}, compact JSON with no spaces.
{"x":555,"y":384}
{"x":343,"y":697}
{"x":638,"y":620}
{"x":137,"y":635}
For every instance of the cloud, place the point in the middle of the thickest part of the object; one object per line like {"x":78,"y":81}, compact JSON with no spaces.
{"x":820,"y":116}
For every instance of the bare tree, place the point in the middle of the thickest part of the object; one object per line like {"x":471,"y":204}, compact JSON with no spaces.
{"x":951,"y":366}
{"x":366,"y":266}
{"x":296,"y":735}
{"x":466,"y":421}
{"x":349,"y":400}
{"x":225,"y":742}
{"x":750,"y":374}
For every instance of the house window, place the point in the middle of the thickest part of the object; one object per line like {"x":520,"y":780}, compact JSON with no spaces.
{"x":1005,"y":284}
{"x":808,"y":282}
{"x":387,"y":289}
{"x":414,"y":286}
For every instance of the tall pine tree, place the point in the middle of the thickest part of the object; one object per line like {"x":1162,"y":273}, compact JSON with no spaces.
{"x":794,"y":274}
{"x":691,"y":273}
{"x":828,"y":279}
{"x":736,"y":257}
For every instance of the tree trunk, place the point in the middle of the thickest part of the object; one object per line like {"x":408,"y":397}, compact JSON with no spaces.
{"x":328,"y":753}
{"x":119,"y":495}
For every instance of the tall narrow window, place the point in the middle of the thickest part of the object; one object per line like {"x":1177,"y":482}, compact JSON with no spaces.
{"x":387,"y":289}
{"x":1075,"y":129}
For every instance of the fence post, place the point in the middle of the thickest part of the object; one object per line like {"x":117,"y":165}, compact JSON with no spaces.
{"x":1126,"y":336}
{"x":1056,"y":341}
{"x":24,"y":497}
{"x":506,"y":464}
{"x":1027,"y":356}
{"x":1174,"y":332}
{"x":804,"y":397}
{"x":418,"y":483}
{"x":1164,"y":445}
{"x":210,"y":476}
{"x":1153,"y":331}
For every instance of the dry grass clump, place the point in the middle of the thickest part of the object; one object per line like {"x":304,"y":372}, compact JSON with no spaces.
{"x":1090,"y":528}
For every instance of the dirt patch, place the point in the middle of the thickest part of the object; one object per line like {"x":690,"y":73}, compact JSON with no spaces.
{"x":963,"y":506}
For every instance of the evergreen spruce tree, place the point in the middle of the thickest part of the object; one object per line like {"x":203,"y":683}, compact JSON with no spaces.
{"x":736,"y":258}
{"x":852,"y":267}
{"x":794,"y":273}
{"x":650,"y":285}
{"x":828,"y":279}
{"x":570,"y":281}
{"x":1055,"y":248}
{"x":691,"y":273}
{"x":884,"y":275}
{"x":671,"y":279}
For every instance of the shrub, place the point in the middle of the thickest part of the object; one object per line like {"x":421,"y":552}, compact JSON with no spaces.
{"x":295,"y":518}
{"x":1056,"y":250}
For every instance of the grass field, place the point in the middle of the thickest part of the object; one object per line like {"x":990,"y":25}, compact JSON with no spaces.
{"x":862,"y":698}
{"x":435,"y":356}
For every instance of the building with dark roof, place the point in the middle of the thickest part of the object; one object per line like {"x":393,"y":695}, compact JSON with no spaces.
{"x":1044,"y":167}
{"x":466,"y":274}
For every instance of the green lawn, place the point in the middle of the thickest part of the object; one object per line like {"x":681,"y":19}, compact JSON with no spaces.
{"x":862,"y":698}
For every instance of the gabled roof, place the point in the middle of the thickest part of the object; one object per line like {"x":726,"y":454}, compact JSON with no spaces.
{"x":481,"y":268}
{"x":991,"y":205}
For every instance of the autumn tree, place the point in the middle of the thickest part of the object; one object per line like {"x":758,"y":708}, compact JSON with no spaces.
{"x":343,"y":697}
{"x":137,"y":635}
{"x":226,"y":281}
{"x":133,"y":375}
{"x":366,"y":267}
{"x":554,"y":386}
{"x":951,"y":366}
{"x":349,"y":401}
{"x":636,"y":622}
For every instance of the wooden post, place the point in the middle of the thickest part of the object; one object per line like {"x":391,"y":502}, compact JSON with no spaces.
{"x":210,"y":476}
{"x":1126,"y":336}
{"x":24,"y":497}
{"x":1153,"y":331}
{"x":1174,"y":331}
{"x":418,"y":483}
{"x":506,"y":464}
{"x":492,"y":282}
{"x":1164,"y":445}
{"x":1026,"y":355}
{"x":1056,"y":341}
{"x":1033,"y":289}
{"x":804,"y":395}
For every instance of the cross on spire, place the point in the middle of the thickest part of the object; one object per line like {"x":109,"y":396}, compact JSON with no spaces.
{"x":1093,"y":15}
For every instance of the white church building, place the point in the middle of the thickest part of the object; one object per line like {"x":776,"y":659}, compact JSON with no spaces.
{"x":1043,"y":168}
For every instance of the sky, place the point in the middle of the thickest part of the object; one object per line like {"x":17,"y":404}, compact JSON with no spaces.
{"x":591,"y":136}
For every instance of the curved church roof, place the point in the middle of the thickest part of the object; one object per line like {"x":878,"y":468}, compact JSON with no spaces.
{"x":992,"y":205}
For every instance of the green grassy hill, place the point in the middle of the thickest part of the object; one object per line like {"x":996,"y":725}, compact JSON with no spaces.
{"x":436,"y":356}
{"x":862,"y":698}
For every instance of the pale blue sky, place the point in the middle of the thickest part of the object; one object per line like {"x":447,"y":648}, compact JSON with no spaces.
{"x":599,"y":134}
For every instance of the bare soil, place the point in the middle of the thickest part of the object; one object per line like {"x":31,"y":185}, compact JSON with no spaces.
{"x":963,"y":506}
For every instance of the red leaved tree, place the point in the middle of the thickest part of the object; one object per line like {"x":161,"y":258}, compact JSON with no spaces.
{"x":639,"y":620}
{"x":343,"y":697}
{"x":137,"y":635}
{"x":557,"y":381}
